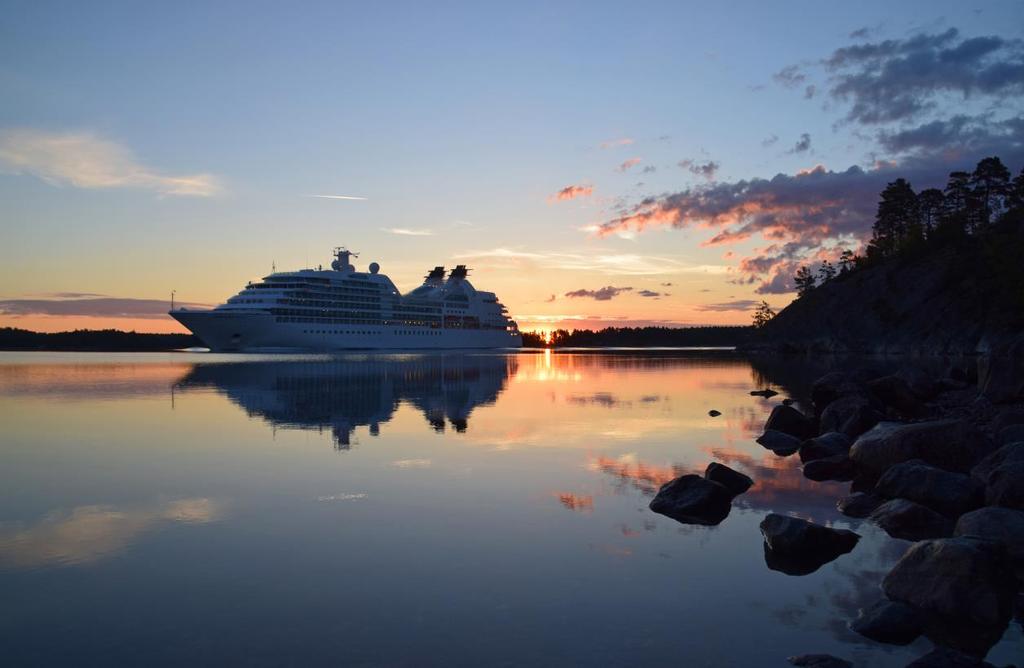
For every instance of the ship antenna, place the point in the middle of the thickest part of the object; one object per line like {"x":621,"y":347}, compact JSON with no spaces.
{"x":172,"y":299}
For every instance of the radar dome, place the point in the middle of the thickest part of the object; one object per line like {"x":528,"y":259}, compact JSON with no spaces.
{"x":374,"y":267}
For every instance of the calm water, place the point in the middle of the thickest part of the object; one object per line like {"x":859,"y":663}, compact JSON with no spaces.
{"x":195,"y":509}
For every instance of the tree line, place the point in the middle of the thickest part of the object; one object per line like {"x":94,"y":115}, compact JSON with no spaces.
{"x":909,"y":222}
{"x":641,"y":336}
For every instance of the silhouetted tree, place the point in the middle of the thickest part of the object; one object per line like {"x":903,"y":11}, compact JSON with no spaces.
{"x":847,"y":260}
{"x":898,"y":218}
{"x":990,"y":184}
{"x":763,"y":314}
{"x":826,"y":272}
{"x":804,"y":281}
{"x":958,"y":198}
{"x":931,"y":204}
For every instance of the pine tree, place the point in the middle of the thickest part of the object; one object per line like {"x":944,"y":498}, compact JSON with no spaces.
{"x":826,"y":272}
{"x":990,"y":184}
{"x":897,"y":219}
{"x":958,"y":202}
{"x":804,"y":281}
{"x":763,"y":314}
{"x":931,"y":203}
{"x":847,"y":260}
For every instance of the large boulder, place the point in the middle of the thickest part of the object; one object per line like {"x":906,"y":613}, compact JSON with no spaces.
{"x":1011,"y":434}
{"x":923,"y":384}
{"x":828,"y":388}
{"x":944,"y":657}
{"x":798,"y":547}
{"x":895,"y":393}
{"x":859,"y":504}
{"x":851,"y":415}
{"x":826,"y":445}
{"x":819,"y":661}
{"x":779,"y":443}
{"x":1006,"y":486}
{"x":1002,"y":525}
{"x":890,"y":622}
{"x":692,"y":499}
{"x":790,"y":421}
{"x":959,"y":578}
{"x":949,"y":493}
{"x":953,"y":445}
{"x":911,"y":521}
{"x":732,"y":480}
{"x":1008,"y":454}
{"x":837,"y":467}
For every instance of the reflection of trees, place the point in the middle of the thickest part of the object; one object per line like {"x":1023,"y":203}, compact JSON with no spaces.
{"x":348,"y":392}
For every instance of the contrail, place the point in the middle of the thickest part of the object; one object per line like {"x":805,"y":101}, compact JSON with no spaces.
{"x":337,"y":197}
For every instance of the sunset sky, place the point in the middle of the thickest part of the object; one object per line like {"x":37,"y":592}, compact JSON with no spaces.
{"x":594,"y":164}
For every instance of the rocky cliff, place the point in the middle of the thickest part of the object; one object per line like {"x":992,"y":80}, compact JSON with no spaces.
{"x":966,"y":297}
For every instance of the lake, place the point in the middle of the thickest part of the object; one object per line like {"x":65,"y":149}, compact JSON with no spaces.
{"x":409,"y":509}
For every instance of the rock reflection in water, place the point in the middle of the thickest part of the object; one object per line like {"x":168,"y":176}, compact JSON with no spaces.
{"x":345,"y":393}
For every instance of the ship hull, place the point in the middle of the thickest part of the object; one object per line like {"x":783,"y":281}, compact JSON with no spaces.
{"x":256,"y":331}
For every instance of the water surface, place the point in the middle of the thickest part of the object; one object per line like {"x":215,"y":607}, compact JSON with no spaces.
{"x":448,"y":509}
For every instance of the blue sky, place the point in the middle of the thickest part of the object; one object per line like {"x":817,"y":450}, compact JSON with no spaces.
{"x":454,"y":119}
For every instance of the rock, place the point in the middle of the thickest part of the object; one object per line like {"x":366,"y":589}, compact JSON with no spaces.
{"x":692,"y":499}
{"x":953,"y":445}
{"x":890,"y":622}
{"x":859,"y":505}
{"x":949,"y":493}
{"x":1006,"y":486}
{"x":1006,"y":418}
{"x":798,"y":547}
{"x":778,"y":442}
{"x":767,"y":394}
{"x":790,"y":421}
{"x":852,"y":415}
{"x":921,"y":383}
{"x":960,"y":578}
{"x":734,"y":481}
{"x":819,"y":661}
{"x":714,"y":413}
{"x":1002,"y":525}
{"x":1013,"y":433}
{"x":895,"y":393}
{"x":838,"y":467}
{"x":828,"y":388}
{"x":1009,"y":453}
{"x":911,"y":521}
{"x":1001,"y":373}
{"x":944,"y":657}
{"x":826,"y":445}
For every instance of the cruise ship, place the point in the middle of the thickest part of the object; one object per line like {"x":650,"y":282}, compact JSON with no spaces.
{"x":344,"y":309}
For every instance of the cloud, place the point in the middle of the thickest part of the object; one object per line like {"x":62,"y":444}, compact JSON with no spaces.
{"x":738,"y":305}
{"x":790,"y":76}
{"x":621,"y":264}
{"x":85,"y":160}
{"x":601,"y":294}
{"x":612,"y":143}
{"x":666,"y":285}
{"x":649,"y":293}
{"x":629,"y":164}
{"x":802,"y":145}
{"x":406,"y":232}
{"x":958,"y":135}
{"x":769,"y":140}
{"x":861,"y":33}
{"x":572,"y":192}
{"x":810,"y":91}
{"x":706,"y":170}
{"x":895,"y":80}
{"x":650,"y":169}
{"x":549,"y":299}
{"x":100,"y":307}
{"x":349,"y":197}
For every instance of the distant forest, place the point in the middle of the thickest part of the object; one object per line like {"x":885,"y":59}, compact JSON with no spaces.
{"x":725,"y":336}
{"x":103,"y":340}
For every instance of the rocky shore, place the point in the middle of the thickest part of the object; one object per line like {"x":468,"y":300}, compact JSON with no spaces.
{"x":938,"y":461}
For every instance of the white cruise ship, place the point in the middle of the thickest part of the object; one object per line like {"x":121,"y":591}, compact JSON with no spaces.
{"x":341,"y":308}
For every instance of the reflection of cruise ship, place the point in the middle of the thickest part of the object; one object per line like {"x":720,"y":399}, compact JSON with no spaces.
{"x":345,"y":393}
{"x":338,"y":308}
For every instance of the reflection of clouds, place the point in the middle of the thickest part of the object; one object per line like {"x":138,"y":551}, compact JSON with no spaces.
{"x":579,"y":502}
{"x":629,"y":469}
{"x":412,"y":463}
{"x":90,"y":533}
